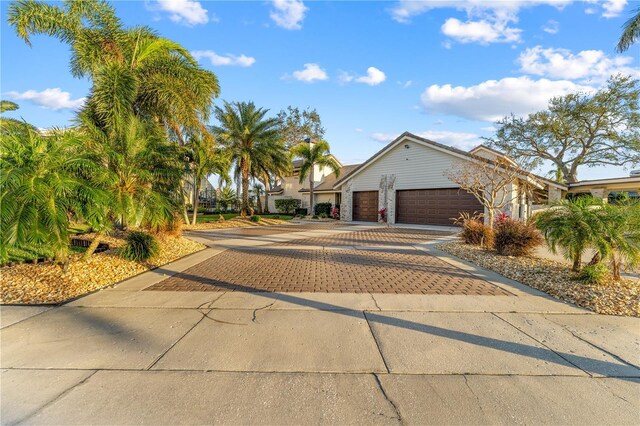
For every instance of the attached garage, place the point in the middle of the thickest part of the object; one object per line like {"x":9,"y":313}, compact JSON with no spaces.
{"x":365,"y":206}
{"x":434,"y":206}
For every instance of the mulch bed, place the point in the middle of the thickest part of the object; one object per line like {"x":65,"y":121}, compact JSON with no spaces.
{"x":611,"y":297}
{"x":45,"y":283}
{"x":236,"y":222}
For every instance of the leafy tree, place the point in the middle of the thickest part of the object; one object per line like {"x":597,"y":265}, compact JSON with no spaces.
{"x":313,"y":154}
{"x":250,"y":139}
{"x":298,"y":125}
{"x":578,"y":129}
{"x":630,"y":33}
{"x":131,"y":68}
{"x":45,"y":179}
{"x":572,"y":226}
{"x":489,"y":182}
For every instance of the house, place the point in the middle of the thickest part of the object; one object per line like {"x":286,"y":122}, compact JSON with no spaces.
{"x":324,"y":192}
{"x":408,"y":178}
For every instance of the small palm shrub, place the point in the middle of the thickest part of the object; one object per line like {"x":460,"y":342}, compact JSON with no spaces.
{"x":593,"y":274}
{"x":254,"y":218}
{"x":515,"y":238}
{"x":322,"y":215}
{"x":140,"y":246}
{"x":474,"y":231}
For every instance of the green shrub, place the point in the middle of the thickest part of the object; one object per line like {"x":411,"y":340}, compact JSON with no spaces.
{"x":515,"y":238}
{"x":322,"y":215}
{"x":593,"y":274}
{"x":287,"y":205}
{"x":275,"y":216}
{"x":322,"y":208}
{"x":254,"y":218}
{"x":139,"y":246}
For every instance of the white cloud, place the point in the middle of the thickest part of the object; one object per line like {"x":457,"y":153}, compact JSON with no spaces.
{"x":186,"y":12}
{"x":310,"y":73}
{"x":610,"y":8}
{"x":288,"y":14}
{"x":494,"y":99}
{"x":483,"y":31}
{"x":54,"y":99}
{"x":487,"y":21}
{"x":562,"y":63}
{"x":460,"y":140}
{"x":490,"y":129}
{"x":228,"y":59}
{"x":404,"y":10}
{"x":373,"y":78}
{"x":552,"y":27}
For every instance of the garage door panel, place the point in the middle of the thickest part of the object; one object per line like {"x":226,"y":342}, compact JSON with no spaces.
{"x":365,"y":206}
{"x":434,"y":206}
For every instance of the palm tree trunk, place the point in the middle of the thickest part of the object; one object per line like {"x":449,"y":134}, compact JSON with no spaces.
{"x":311,"y":203}
{"x":196,"y":199}
{"x":93,"y":246}
{"x":245,"y":188}
{"x":266,"y":194}
{"x":576,"y":263}
{"x":258,"y":202}
{"x":186,"y":215}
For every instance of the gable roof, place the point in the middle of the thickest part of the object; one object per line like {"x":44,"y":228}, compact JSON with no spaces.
{"x":439,"y":147}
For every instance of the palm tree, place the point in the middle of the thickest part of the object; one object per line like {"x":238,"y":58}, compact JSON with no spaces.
{"x":313,"y":154}
{"x":145,"y":171}
{"x":276,"y":164}
{"x":131,"y":69}
{"x":630,"y":33}
{"x":619,"y":241}
{"x":227,"y":197}
{"x":572,"y":226}
{"x":258,"y":190}
{"x":8,"y":124}
{"x":204,"y":160}
{"x":45,"y":179}
{"x":249,"y":138}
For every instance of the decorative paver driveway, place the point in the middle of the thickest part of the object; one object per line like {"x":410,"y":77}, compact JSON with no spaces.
{"x":313,"y":268}
{"x":374,"y":237}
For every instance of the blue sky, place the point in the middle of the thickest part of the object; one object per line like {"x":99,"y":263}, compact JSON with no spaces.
{"x":442,"y":69}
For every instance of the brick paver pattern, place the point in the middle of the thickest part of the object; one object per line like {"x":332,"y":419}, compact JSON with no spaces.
{"x":373,"y":237}
{"x":328,"y":270}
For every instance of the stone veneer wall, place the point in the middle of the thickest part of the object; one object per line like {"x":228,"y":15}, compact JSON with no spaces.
{"x":347,"y":202}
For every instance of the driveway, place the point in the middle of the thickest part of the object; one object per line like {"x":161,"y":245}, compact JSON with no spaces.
{"x":322,"y":323}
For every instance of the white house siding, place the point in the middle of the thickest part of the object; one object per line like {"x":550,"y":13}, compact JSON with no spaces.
{"x":415,"y":167}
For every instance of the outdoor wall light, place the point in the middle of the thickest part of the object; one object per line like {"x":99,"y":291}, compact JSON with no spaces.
{"x":406,"y":146}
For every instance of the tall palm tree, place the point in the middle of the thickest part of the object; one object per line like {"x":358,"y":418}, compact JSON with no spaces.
{"x":313,"y":154}
{"x":630,"y":33}
{"x":133,"y":67}
{"x":258,"y":190}
{"x":276,"y":164}
{"x":250,"y":139}
{"x":571,"y":225}
{"x":204,"y":160}
{"x":44,"y":180}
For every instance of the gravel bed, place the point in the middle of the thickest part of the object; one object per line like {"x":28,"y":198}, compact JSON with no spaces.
{"x":611,"y":297}
{"x":236,"y":222}
{"x":41,"y":283}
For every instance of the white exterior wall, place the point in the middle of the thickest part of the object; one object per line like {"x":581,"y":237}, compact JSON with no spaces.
{"x":418,"y":167}
{"x":291,"y":187}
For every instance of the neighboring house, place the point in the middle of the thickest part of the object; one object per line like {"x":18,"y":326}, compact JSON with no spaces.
{"x":324,"y":178}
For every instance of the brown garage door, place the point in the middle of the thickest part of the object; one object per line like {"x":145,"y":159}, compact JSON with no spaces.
{"x":365,"y":206}
{"x":434,"y":206}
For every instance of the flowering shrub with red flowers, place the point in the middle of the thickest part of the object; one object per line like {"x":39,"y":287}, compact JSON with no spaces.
{"x":383,"y":214}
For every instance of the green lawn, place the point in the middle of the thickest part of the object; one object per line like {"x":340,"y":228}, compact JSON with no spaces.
{"x":214,"y":217}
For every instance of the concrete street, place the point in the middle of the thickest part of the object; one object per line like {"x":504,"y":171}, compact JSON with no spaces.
{"x":321,"y":324}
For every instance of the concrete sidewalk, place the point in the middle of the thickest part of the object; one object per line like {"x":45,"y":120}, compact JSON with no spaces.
{"x":128,"y":356}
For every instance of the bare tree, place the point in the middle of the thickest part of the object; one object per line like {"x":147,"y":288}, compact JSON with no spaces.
{"x":489,"y":181}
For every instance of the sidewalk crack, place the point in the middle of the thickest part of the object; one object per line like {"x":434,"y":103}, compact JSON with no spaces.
{"x":466,"y":382}
{"x":255,"y":311}
{"x":389,"y":400}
